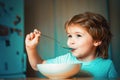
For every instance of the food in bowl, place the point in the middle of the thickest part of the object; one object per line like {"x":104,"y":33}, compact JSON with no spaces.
{"x":58,"y":71}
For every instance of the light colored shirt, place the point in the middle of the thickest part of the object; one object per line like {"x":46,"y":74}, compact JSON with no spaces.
{"x":98,"y":67}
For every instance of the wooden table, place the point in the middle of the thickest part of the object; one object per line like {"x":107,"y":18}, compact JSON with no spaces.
{"x":59,"y":79}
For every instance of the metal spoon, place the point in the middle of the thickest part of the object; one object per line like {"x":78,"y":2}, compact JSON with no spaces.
{"x":56,"y":41}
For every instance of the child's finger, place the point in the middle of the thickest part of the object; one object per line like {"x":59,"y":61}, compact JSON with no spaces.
{"x":27,"y":37}
{"x":37,"y":31}
{"x":32,"y":35}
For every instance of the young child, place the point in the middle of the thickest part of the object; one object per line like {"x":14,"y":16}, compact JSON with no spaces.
{"x":89,"y":37}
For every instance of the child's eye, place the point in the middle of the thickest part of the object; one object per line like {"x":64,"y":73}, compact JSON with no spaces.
{"x":69,"y":36}
{"x":78,"y":35}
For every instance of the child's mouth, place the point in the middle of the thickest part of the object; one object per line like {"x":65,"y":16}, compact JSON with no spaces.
{"x":73,"y":49}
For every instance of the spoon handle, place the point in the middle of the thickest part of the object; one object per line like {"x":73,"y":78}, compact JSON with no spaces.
{"x":56,"y":41}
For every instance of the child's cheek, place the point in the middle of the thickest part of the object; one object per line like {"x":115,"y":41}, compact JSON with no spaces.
{"x":68,"y":43}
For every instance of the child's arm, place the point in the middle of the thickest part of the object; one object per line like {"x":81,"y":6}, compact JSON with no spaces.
{"x":31,"y":42}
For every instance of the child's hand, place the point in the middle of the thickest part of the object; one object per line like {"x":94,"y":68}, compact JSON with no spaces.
{"x":32,"y":39}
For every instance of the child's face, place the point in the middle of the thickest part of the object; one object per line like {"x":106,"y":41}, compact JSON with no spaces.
{"x":81,"y":41}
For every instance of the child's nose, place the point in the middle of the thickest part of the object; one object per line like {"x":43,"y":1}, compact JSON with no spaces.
{"x":72,"y":41}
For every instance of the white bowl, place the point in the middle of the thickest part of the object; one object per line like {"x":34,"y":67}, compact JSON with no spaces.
{"x":59,"y":71}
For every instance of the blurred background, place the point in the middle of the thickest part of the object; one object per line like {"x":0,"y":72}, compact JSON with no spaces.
{"x":20,"y":17}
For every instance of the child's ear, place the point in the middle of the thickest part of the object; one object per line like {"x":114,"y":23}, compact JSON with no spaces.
{"x":97,"y":43}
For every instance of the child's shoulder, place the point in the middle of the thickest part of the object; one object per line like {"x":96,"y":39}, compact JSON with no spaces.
{"x":105,"y":61}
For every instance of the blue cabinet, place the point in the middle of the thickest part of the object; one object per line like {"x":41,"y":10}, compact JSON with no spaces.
{"x":12,"y":56}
